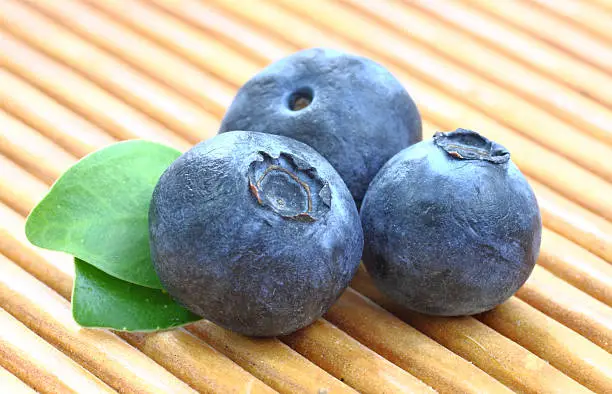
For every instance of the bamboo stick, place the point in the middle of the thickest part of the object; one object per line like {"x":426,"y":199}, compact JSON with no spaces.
{"x":200,"y":49}
{"x":569,"y":306}
{"x":579,"y":358}
{"x":577,"y":266}
{"x":500,"y":357}
{"x":55,"y":269}
{"x":408,"y":348}
{"x":40,"y":112}
{"x":35,"y":153}
{"x":12,"y":384}
{"x":213,"y":21}
{"x":271,"y":350}
{"x":590,"y":231}
{"x":581,"y":14}
{"x":531,"y":119}
{"x":353,"y":376}
{"x":18,"y":188}
{"x":604,"y":5}
{"x":167,"y":107}
{"x":143,"y":54}
{"x":39,"y":364}
{"x":271,"y":360}
{"x":196,"y":362}
{"x":351,"y":362}
{"x":104,"y":354}
{"x":552,"y":30}
{"x":557,"y":99}
{"x":80,"y":95}
{"x":586,"y":79}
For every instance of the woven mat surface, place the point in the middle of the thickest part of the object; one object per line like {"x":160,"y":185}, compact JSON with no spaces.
{"x":535,"y":75}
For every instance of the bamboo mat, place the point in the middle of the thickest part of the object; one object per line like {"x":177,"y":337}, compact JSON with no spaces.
{"x":534,"y":75}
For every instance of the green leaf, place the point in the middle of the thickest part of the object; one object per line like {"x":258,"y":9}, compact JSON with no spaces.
{"x":98,"y":210}
{"x":101,"y":301}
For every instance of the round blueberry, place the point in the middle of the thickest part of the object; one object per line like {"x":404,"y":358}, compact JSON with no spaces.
{"x":451,"y":226}
{"x":349,"y":108}
{"x":255,"y":232}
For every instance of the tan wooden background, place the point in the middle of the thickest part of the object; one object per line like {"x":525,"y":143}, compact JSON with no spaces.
{"x":535,"y":75}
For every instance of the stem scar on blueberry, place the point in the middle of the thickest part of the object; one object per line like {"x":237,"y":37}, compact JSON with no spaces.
{"x":300,"y":99}
{"x":288,"y":189}
{"x":465,"y":144}
{"x":294,"y":177}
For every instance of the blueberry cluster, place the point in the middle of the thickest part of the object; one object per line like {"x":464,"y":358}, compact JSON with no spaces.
{"x":260,"y":231}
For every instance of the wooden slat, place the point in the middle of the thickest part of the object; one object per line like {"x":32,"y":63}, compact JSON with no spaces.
{"x":569,"y":306}
{"x":577,"y":266}
{"x":12,"y":384}
{"x":271,"y":360}
{"x":554,"y":97}
{"x":18,"y":188}
{"x":104,"y":354}
{"x":80,"y":95}
{"x":574,"y":222}
{"x":579,"y":358}
{"x":221,"y":26}
{"x":143,"y":54}
{"x":39,"y":364}
{"x":500,"y":357}
{"x":541,"y":164}
{"x":586,"y":79}
{"x":351,"y":362}
{"x":398,"y":342}
{"x":195,"y":362}
{"x":582,"y":14}
{"x":42,"y":113}
{"x":34,"y":152}
{"x":547,"y":27}
{"x":605,"y":5}
{"x":54,"y":268}
{"x":186,"y":41}
{"x":167,"y":107}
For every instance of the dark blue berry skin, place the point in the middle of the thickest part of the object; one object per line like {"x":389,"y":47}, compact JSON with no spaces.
{"x":255,"y":232}
{"x":349,"y":108}
{"x":451,"y":226}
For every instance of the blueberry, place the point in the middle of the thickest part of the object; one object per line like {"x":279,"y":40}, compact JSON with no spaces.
{"x":451,"y":226}
{"x":255,"y":232}
{"x":349,"y":108}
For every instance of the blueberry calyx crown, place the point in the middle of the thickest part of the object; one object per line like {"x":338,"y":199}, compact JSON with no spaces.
{"x":465,"y":144}
{"x":289,"y":187}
